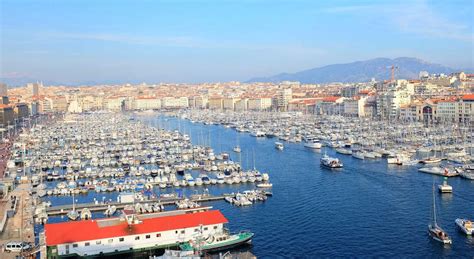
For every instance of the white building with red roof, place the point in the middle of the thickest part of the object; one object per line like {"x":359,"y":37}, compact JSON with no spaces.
{"x":130,"y":233}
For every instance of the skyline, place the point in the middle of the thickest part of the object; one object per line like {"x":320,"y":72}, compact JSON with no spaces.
{"x":203,"y":41}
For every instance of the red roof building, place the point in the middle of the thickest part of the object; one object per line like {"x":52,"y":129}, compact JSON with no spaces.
{"x":84,"y":230}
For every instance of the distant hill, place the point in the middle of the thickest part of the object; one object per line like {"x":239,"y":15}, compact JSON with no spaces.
{"x":360,"y":71}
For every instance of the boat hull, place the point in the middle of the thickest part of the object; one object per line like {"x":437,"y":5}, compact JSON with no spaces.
{"x":230,"y":245}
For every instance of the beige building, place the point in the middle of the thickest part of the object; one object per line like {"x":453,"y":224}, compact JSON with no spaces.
{"x":216,"y":103}
{"x":242,"y":104}
{"x":201,"y":102}
{"x":146,"y":103}
{"x":174,"y":102}
{"x":114,"y":103}
{"x":59,"y":104}
{"x":229,"y":103}
{"x":260,"y":104}
{"x":21,"y":110}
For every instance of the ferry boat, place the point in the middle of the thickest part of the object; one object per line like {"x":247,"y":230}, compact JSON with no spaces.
{"x":279,"y":145}
{"x":330,"y":162}
{"x":465,"y":226}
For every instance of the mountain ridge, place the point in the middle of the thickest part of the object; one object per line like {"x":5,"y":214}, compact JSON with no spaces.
{"x":360,"y":71}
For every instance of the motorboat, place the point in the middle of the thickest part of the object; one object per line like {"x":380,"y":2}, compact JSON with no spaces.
{"x":313,"y":145}
{"x":265,"y":185}
{"x":438,"y":171}
{"x":330,"y":162}
{"x":445,"y":187}
{"x":358,"y":155}
{"x":465,"y":226}
{"x":279,"y":145}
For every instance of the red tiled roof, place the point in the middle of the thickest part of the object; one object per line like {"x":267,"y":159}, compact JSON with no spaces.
{"x":3,"y":106}
{"x":331,"y":98}
{"x":77,"y":231}
{"x":468,"y":97}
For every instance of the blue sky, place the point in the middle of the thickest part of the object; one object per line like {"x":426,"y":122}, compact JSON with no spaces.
{"x":202,"y":41}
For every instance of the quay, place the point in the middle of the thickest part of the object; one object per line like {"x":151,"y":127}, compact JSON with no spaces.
{"x":93,"y":207}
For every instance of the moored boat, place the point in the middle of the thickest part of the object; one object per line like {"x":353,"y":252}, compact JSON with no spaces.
{"x":465,"y":226}
{"x":218,"y":242}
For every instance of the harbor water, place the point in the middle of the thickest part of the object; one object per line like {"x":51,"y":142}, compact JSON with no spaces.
{"x":367,"y":208}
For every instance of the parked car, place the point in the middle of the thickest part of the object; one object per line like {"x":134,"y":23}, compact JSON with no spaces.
{"x":16,"y":246}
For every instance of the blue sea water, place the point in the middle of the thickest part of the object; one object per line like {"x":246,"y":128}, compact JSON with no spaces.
{"x":366,"y":209}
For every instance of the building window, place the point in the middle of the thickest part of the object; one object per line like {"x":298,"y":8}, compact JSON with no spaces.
{"x":137,"y":238}
{"x":147,"y":236}
{"x":158,"y":235}
{"x":111,"y":240}
{"x":74,"y":245}
{"x":121,"y":239}
{"x":87,"y":244}
{"x":98,"y":242}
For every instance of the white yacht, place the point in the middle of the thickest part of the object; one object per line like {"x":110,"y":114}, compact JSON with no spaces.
{"x":465,"y":226}
{"x":359,"y":155}
{"x":313,"y":145}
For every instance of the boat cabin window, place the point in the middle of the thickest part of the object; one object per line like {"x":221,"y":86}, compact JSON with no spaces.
{"x":158,"y":235}
{"x":196,"y":230}
{"x":111,"y":240}
{"x":182,"y":231}
{"x":176,"y":232}
{"x":137,"y":238}
{"x":74,"y":245}
{"x":215,"y":227}
{"x":205,"y":228}
{"x":121,"y":239}
{"x":98,"y":242}
{"x":87,"y":244}
{"x":147,"y":236}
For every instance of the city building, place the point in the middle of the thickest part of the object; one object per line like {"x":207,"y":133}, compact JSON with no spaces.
{"x":7,"y":115}
{"x":146,"y":103}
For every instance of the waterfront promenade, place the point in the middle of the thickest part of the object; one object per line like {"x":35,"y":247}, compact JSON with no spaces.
{"x":19,"y":227}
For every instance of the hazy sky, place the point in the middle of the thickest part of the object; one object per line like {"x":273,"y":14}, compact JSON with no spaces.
{"x":222,"y":40}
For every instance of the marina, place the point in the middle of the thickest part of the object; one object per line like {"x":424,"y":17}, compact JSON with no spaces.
{"x":200,"y":171}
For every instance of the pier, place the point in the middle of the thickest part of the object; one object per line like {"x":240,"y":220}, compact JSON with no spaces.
{"x":93,"y":207}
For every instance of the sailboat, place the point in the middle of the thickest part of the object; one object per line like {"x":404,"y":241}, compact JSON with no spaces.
{"x":435,"y":231}
{"x":73,"y":214}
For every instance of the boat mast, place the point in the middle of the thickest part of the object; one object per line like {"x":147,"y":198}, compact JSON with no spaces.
{"x":434,"y":208}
